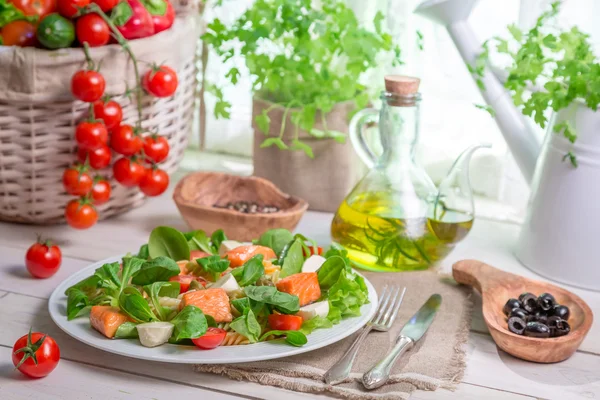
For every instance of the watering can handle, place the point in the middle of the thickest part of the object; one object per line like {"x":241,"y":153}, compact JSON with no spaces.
{"x":356,"y":131}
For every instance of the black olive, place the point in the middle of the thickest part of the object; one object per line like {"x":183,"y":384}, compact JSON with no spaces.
{"x":537,"y":317}
{"x":519,"y":312}
{"x":546,"y":301}
{"x":561,"y":311}
{"x":516,"y":325}
{"x":558,"y":327}
{"x":537,"y":330}
{"x":529,"y":302}
{"x":510,"y":304}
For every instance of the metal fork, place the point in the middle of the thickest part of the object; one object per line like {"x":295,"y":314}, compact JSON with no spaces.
{"x":390,"y":302}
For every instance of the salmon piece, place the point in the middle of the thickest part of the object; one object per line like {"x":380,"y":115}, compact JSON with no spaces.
{"x":194,"y":254}
{"x":107,"y":319}
{"x":182,"y":267}
{"x":238,"y":256}
{"x":304,"y":285}
{"x":213,"y":302}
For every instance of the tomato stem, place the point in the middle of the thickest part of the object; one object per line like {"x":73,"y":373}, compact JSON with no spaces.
{"x":88,"y":58}
{"x":94,"y":8}
{"x":30,"y":350}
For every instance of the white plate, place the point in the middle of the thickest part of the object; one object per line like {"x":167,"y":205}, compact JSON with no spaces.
{"x":80,"y":329}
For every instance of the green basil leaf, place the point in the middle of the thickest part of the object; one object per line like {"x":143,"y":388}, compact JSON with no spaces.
{"x":199,"y":241}
{"x":283,"y":302}
{"x":162,"y":289}
{"x":87,"y":285}
{"x":251,"y":271}
{"x":78,"y":303}
{"x":190,"y":323}
{"x":155,"y":270}
{"x":155,"y":7}
{"x":330,"y":271}
{"x":132,"y":303}
{"x":247,"y":325}
{"x":108,"y":276}
{"x":126,"y":330}
{"x":214,"y":265}
{"x":276,"y":239}
{"x":131,"y":265}
{"x":295,"y":338}
{"x":293,"y":260}
{"x":143,"y":252}
{"x":121,"y":13}
{"x":247,"y":303}
{"x":216,"y":239}
{"x":168,"y":242}
{"x":337,"y":250}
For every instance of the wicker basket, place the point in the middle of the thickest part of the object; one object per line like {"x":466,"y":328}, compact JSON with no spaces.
{"x":38,"y":118}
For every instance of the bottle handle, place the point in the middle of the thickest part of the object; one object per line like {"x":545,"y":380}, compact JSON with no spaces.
{"x":356,"y":132}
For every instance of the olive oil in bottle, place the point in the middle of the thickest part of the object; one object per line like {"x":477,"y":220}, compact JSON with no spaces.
{"x":379,"y":241}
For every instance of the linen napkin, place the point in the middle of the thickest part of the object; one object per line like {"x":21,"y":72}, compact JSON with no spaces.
{"x":436,"y":361}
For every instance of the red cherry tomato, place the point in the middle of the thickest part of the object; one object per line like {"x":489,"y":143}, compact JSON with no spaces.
{"x":92,"y":29}
{"x":156,"y":148}
{"x":282,"y":322}
{"x":211,"y":339}
{"x":311,"y":251}
{"x":127,"y":172}
{"x":100,"y":192}
{"x":80,"y":214}
{"x":160,"y":81}
{"x":37,"y":7}
{"x":18,"y":33}
{"x":164,"y":22}
{"x":106,"y":5}
{"x":154,"y":182}
{"x":91,"y":135}
{"x":68,"y":8}
{"x":45,"y":349}
{"x":98,"y":159}
{"x":43,"y":259}
{"x":76,"y":181}
{"x":185,"y":281}
{"x":110,"y":112}
{"x":125,"y":141}
{"x":87,"y":85}
{"x":140,"y":24}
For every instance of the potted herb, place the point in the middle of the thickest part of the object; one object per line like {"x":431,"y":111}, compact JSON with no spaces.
{"x":306,"y":61}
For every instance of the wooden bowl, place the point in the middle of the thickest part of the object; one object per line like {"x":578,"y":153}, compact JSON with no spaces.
{"x":197,"y":193}
{"x":496,"y":287}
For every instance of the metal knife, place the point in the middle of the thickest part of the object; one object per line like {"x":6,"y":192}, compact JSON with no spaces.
{"x":412,"y":331}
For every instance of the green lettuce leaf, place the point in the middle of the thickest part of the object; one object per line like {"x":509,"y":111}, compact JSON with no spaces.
{"x":346,"y":296}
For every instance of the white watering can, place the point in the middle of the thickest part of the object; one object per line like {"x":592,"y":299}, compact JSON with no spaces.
{"x":560,"y":238}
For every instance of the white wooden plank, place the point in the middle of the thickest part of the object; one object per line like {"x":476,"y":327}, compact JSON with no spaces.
{"x":487,"y":366}
{"x":468,"y":392}
{"x":75,"y":381}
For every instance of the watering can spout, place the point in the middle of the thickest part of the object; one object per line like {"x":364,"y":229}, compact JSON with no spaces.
{"x":521,"y":139}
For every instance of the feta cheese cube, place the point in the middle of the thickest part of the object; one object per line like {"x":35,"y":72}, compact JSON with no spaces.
{"x":154,"y":334}
{"x":226,"y":282}
{"x":319,"y":309}
{"x":313,"y":263}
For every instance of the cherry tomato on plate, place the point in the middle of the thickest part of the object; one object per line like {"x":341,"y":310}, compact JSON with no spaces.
{"x":124,"y":140}
{"x":88,"y":85}
{"x":80,"y":214}
{"x":156,"y":148}
{"x":43,"y":259}
{"x":106,"y":5}
{"x":282,"y":322}
{"x":98,"y":159}
{"x":160,"y":81}
{"x":311,"y":251}
{"x":211,"y":339}
{"x":92,"y":29}
{"x":100,"y":191}
{"x":91,"y":135}
{"x":18,"y":33}
{"x":110,"y":112}
{"x":164,"y":22}
{"x":154,"y":182}
{"x":185,"y":281}
{"x":68,"y":8}
{"x":128,"y":172}
{"x":35,"y":354}
{"x":77,"y":181}
{"x":37,"y":7}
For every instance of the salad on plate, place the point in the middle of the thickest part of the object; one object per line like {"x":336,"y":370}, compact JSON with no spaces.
{"x":189,"y":288}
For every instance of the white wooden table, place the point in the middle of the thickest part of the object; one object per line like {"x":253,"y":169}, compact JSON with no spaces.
{"x":87,"y":373}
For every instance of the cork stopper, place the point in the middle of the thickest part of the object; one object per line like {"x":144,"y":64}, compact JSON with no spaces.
{"x":402,"y":85}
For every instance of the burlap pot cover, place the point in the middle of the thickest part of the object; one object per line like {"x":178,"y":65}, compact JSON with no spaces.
{"x":323,"y":181}
{"x":38,"y":117}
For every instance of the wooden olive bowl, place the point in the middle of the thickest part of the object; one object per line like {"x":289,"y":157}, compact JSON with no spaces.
{"x":197,"y":193}
{"x":496,"y":287}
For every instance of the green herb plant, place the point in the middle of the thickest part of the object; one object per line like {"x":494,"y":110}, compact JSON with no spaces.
{"x":302,"y":57}
{"x":561,"y":61}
